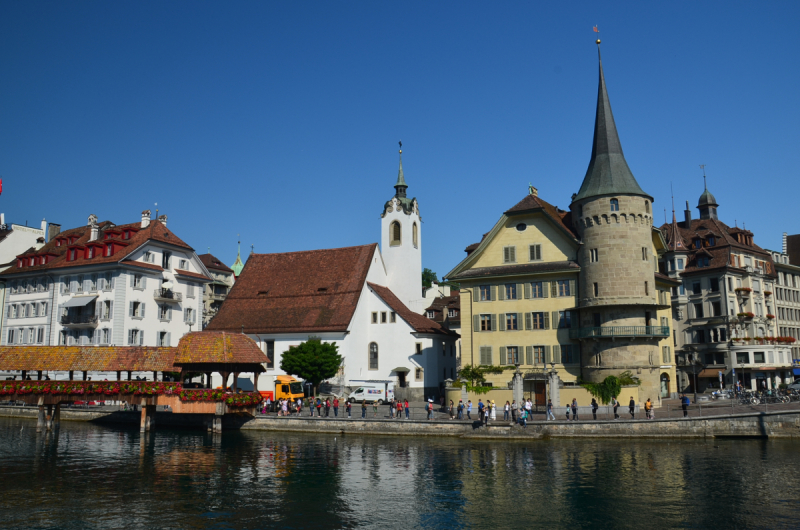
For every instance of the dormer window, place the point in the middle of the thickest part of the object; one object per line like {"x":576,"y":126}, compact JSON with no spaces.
{"x":109,"y":249}
{"x":58,"y":242}
{"x":712,"y":241}
{"x":90,"y":253}
{"x":73,"y":254}
{"x":127,"y":234}
{"x":698,"y":243}
{"x":614,"y":205}
{"x":19,"y":263}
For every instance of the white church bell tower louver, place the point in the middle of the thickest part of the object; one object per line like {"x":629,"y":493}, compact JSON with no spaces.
{"x":401,"y":244}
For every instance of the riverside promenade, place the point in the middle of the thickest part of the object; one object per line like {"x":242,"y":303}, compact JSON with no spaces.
{"x":779,"y":421}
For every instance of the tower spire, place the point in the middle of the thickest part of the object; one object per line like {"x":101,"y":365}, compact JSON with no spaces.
{"x":608,"y":172}
{"x":401,"y":185}
{"x":238,"y":265}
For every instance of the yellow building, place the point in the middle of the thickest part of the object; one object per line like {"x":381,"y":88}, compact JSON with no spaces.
{"x":518,"y":296}
{"x":664,"y":285}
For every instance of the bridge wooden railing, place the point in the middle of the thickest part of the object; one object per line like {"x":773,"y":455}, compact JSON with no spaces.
{"x":118,"y":389}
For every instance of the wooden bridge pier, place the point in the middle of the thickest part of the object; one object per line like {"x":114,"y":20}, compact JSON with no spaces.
{"x":148,"y":420}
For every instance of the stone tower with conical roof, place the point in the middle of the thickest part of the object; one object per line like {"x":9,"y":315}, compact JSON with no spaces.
{"x":401,"y":244}
{"x":617,"y":296}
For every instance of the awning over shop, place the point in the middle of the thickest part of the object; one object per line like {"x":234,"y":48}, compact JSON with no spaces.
{"x":79,"y":301}
{"x":796,"y":371}
{"x":709,"y":372}
{"x":401,"y":370}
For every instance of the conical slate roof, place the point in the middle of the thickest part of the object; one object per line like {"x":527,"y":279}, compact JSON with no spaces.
{"x":608,"y":172}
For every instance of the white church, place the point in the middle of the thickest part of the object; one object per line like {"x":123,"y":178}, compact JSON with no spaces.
{"x":365,"y":299}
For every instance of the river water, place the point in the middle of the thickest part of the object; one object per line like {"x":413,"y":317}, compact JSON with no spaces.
{"x":92,"y":476}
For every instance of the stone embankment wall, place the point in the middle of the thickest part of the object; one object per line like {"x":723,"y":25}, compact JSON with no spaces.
{"x":764,"y":425}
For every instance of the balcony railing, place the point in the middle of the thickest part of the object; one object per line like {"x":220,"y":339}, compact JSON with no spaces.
{"x":79,"y":320}
{"x":167,"y":294}
{"x":619,"y":331}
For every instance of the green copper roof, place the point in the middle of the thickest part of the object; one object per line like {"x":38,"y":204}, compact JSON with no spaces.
{"x":401,"y":181}
{"x":608,"y":172}
{"x":706,"y":199}
{"x":238,"y":265}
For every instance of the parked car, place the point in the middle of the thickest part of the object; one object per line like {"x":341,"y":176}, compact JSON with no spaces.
{"x":794,"y":386}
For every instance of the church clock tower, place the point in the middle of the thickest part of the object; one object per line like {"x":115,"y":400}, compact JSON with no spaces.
{"x":401,"y":244}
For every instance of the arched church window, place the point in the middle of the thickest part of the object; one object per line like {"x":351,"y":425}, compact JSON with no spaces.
{"x":394,"y":234}
{"x":614,"y":205}
{"x":414,"y":236}
{"x":373,"y":356}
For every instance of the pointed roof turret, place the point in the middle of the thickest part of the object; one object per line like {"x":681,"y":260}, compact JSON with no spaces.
{"x":401,"y":185}
{"x":707,"y":204}
{"x":608,"y":172}
{"x":238,"y":265}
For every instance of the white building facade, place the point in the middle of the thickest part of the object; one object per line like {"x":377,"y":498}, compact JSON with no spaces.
{"x":102,"y":284}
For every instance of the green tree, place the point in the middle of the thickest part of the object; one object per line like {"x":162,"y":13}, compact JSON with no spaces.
{"x":313,"y":361}
{"x":611,"y":386}
{"x":476,"y":376}
{"x":428,"y":278}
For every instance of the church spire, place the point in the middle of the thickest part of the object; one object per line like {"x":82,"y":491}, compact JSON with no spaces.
{"x":401,"y":185}
{"x":608,"y":172}
{"x":238,"y":265}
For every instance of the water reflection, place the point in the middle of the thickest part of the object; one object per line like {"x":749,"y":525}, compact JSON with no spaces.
{"x":91,"y":476}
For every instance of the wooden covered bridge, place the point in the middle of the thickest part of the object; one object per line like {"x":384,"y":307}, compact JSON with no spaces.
{"x":48,"y":376}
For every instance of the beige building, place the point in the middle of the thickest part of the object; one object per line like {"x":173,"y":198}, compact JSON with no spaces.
{"x":573,"y":291}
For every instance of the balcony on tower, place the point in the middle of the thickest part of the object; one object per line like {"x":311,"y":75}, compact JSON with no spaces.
{"x":619,"y":332}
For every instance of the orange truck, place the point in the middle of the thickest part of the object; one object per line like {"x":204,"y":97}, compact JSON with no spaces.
{"x":286,"y":387}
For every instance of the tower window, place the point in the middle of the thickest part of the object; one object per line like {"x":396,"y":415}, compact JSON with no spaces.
{"x":596,"y":289}
{"x":614,"y":205}
{"x":593,"y":255}
{"x":647,"y":206}
{"x":394,"y":234}
{"x":414,"y":236}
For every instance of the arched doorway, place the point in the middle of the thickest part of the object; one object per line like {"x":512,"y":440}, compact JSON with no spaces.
{"x":664,"y":386}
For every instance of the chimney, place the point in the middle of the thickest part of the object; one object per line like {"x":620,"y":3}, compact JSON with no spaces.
{"x":39,"y":243}
{"x":52,"y":231}
{"x":785,"y":243}
{"x":3,"y":220}
{"x":44,"y":231}
{"x":687,"y":213}
{"x":163,"y":220}
{"x":145,"y":218}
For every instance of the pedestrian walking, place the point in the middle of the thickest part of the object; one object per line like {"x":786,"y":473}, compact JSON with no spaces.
{"x":648,"y":407}
{"x":480,"y":411}
{"x":595,"y":406}
{"x":349,"y":406}
{"x":319,"y":408}
{"x":327,"y":407}
{"x":632,"y":407}
{"x":452,"y":410}
{"x":311,"y":407}
{"x":460,"y":409}
{"x":391,"y":408}
{"x":374,"y":409}
{"x":506,"y":410}
{"x":429,"y":407}
{"x":550,"y":415}
{"x":405,"y":405}
{"x":363,"y":409}
{"x":685,"y":405}
{"x":469,"y":409}
{"x":574,"y":409}
{"x":528,"y":407}
{"x":493,"y":411}
{"x":615,"y":404}
{"x":523,"y":417}
{"x":399,"y":410}
{"x":513,"y":411}
{"x":567,"y":412}
{"x":336,"y":407}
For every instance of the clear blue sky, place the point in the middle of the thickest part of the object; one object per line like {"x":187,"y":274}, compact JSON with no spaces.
{"x":280,"y":120}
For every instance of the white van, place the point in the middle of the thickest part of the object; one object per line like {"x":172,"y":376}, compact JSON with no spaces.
{"x":380,"y":392}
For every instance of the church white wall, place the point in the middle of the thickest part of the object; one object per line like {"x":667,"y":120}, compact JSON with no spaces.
{"x":404,"y":261}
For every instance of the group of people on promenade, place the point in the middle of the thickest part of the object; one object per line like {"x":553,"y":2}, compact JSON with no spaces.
{"x":518,"y":413}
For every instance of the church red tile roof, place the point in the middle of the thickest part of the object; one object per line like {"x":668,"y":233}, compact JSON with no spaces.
{"x":218,"y":347}
{"x":308,"y":291}
{"x":420,"y":323}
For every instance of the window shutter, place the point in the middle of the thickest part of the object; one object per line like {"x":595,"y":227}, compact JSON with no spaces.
{"x":556,"y":354}
{"x":527,"y":291}
{"x":501,"y":292}
{"x":538,"y":252}
{"x":476,"y":323}
{"x":169,"y":339}
{"x":110,"y":309}
{"x":130,"y":309}
{"x":528,"y":354}
{"x":502,"y":354}
{"x":144,"y":282}
{"x":476,"y":294}
{"x":132,"y":277}
{"x":169,"y":313}
{"x":494,"y":322}
{"x":519,"y":320}
{"x":555,"y":320}
{"x":520,"y":287}
{"x":548,"y":356}
{"x":130,"y":336}
{"x":502,"y":318}
{"x":141,"y":335}
{"x":572,"y":291}
{"x":545,"y":289}
{"x":546,"y":320}
{"x":528,"y":322}
{"x":141,"y":310}
{"x":44,"y":309}
{"x":506,"y":255}
{"x":513,"y":253}
{"x":111,"y":282}
{"x":554,"y":288}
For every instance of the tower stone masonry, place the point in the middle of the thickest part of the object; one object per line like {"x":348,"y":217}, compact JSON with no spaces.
{"x":617,"y":295}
